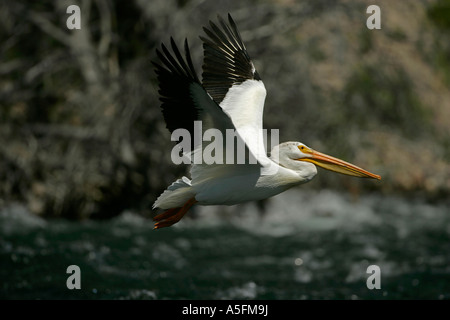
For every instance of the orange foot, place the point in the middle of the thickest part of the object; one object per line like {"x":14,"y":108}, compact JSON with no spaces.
{"x":172,"y":216}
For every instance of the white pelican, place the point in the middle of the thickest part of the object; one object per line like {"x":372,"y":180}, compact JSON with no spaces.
{"x":231,"y":96}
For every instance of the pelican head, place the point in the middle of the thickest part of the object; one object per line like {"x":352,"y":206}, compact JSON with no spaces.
{"x":302,"y":159}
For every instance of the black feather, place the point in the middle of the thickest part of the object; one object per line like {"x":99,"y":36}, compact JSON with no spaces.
{"x":226,"y":61}
{"x":175,"y":75}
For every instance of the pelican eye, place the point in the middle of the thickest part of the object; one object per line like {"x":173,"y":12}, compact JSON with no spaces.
{"x":304,"y":149}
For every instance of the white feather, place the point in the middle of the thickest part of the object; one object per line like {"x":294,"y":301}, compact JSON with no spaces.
{"x":175,"y":195}
{"x":244,"y":104}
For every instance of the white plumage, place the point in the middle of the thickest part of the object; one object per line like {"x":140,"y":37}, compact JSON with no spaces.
{"x":230,"y":97}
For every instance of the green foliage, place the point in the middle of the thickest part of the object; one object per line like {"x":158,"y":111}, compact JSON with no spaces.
{"x":397,"y":35}
{"x":314,"y":50}
{"x":375,"y":95}
{"x":365,"y":40}
{"x":439,"y":14}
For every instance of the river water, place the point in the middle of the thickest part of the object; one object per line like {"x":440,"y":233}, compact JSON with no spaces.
{"x":307,"y":245}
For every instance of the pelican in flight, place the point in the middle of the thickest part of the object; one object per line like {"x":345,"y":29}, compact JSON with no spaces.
{"x":230,"y":96}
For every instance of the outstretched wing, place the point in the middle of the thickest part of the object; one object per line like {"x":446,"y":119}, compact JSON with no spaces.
{"x":184,"y":100}
{"x":231,"y":79}
{"x":226,"y":62}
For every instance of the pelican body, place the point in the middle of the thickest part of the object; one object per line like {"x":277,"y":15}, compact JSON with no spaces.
{"x":230,"y":96}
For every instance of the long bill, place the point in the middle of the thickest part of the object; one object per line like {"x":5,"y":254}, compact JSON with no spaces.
{"x":338,"y":165}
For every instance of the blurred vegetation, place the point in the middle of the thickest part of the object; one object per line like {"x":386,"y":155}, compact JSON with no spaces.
{"x":393,"y":95}
{"x":82,"y":135}
{"x":439,"y":13}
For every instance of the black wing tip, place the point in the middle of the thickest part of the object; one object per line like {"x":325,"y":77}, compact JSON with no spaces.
{"x":222,"y":22}
{"x":176,"y":74}
{"x":174,"y":62}
{"x":227,"y":61}
{"x":231,"y":21}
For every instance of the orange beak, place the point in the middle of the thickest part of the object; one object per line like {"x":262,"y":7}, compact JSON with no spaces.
{"x":336,"y":165}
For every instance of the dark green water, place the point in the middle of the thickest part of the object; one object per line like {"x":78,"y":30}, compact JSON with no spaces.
{"x":308,"y":246}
